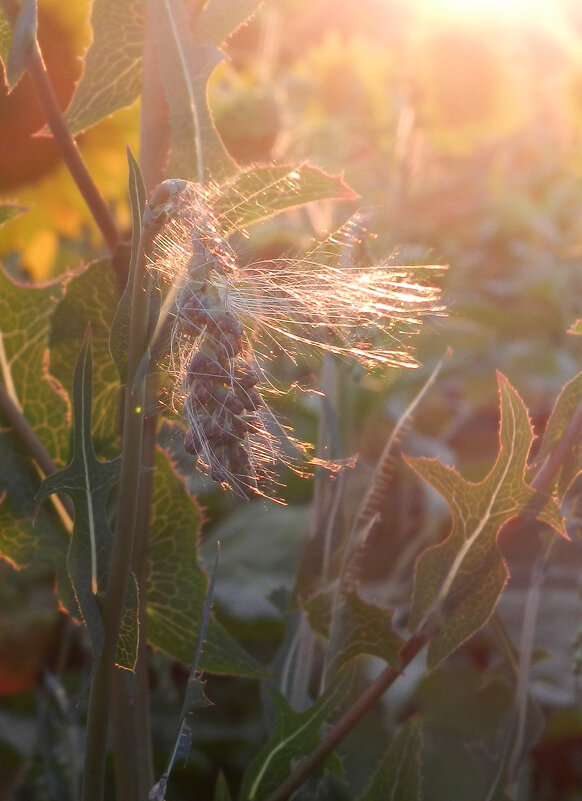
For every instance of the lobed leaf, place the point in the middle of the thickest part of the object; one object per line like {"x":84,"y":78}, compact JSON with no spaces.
{"x":398,"y":776}
{"x":296,"y":734}
{"x":568,"y":401}
{"x":358,"y":628}
{"x":177,"y":585}
{"x":88,"y":482}
{"x":458,"y":582}
{"x":258,"y":193}
{"x":364,"y":628}
{"x":112,"y":76}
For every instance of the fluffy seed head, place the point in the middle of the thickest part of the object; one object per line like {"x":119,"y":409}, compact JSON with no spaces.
{"x":226,"y":319}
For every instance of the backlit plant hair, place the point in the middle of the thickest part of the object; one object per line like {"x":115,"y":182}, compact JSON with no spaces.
{"x":226,"y":319}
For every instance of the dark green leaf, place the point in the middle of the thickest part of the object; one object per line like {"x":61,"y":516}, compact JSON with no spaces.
{"x":260,"y":192}
{"x":398,"y":777}
{"x":90,"y":297}
{"x":458,"y":582}
{"x":177,"y":584}
{"x":112,"y":76}
{"x":363,"y":628}
{"x":24,"y":315}
{"x":296,"y":734}
{"x":88,"y":482}
{"x":23,"y":40}
{"x":119,"y":336}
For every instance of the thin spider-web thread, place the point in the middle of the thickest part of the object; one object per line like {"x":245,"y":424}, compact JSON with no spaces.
{"x":226,"y":320}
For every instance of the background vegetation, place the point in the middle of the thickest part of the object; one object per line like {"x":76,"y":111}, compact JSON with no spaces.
{"x":462,"y":140}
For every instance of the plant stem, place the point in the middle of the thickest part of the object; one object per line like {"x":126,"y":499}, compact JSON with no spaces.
{"x":125,"y":522}
{"x":38,"y":453}
{"x":64,"y":141}
{"x":367,"y":700}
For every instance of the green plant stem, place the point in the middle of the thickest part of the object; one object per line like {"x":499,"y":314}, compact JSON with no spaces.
{"x":134,"y":772}
{"x":122,"y":553}
{"x":64,"y":141}
{"x":367,"y":700}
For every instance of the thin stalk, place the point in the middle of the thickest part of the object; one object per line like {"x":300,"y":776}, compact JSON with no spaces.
{"x":12,"y":415}
{"x":367,"y":700}
{"x":542,"y":482}
{"x":134,"y":772}
{"x":122,"y":552}
{"x":64,"y":141}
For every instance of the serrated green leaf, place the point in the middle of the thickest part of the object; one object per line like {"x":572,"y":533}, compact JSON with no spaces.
{"x":88,"y":482}
{"x":177,"y":584}
{"x":568,"y":401}
{"x":359,"y":628}
{"x":363,"y":628}
{"x":24,"y":321}
{"x":119,"y":335}
{"x":458,"y":582}
{"x":113,"y":65}
{"x":24,"y":316}
{"x":398,"y":777}
{"x":10,"y":210}
{"x":296,"y":734}
{"x":90,"y":297}
{"x":5,"y":37}
{"x":258,"y":193}
{"x":23,"y":39}
{"x":219,"y":20}
{"x":186,"y":63}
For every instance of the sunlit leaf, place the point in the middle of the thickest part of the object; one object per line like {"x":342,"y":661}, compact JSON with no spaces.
{"x":112,"y":76}
{"x":260,"y":192}
{"x":186,"y":63}
{"x":568,"y":401}
{"x":459,"y":581}
{"x":398,"y":776}
{"x":23,"y":40}
{"x":177,"y":584}
{"x":296,"y":734}
{"x":88,"y":482}
{"x":90,"y":297}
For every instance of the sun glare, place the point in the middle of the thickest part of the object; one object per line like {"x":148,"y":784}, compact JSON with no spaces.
{"x":509,"y":10}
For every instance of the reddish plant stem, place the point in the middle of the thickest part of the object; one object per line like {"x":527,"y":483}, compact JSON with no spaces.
{"x":64,"y":141}
{"x":367,"y":700}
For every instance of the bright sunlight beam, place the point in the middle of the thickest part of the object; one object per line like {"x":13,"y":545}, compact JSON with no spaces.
{"x":508,"y":10}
